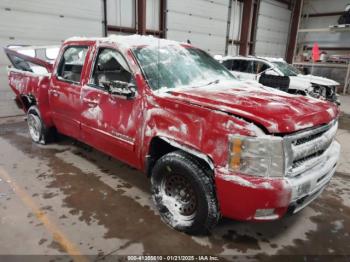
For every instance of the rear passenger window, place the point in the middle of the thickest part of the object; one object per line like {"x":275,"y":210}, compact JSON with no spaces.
{"x":110,"y":66}
{"x":260,"y":67}
{"x":244,"y":66}
{"x":228,"y":64}
{"x":72,"y":63}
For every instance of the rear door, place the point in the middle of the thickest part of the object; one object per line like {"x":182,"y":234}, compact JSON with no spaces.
{"x":64,"y":93}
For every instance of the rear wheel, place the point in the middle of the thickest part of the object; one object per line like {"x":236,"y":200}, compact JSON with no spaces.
{"x":184,"y":193}
{"x":37,"y":130}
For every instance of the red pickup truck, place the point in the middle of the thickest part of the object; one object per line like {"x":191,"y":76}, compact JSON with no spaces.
{"x":212,"y":146}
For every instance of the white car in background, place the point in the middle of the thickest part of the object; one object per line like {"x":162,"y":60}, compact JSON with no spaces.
{"x":277,"y":73}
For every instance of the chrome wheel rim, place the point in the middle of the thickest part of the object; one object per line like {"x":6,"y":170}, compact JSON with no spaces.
{"x":34,"y":125}
{"x":179,"y":196}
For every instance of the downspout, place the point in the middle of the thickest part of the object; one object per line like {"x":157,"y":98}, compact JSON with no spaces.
{"x":104,"y":22}
{"x":229,"y":16}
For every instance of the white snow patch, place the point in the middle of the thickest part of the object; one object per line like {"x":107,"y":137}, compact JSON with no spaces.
{"x":173,"y":128}
{"x":331,"y":112}
{"x":38,"y":73}
{"x":241,"y":181}
{"x":148,"y":131}
{"x":94,"y":113}
{"x":255,"y":129}
{"x":177,"y":218}
{"x":266,"y":185}
{"x":184,"y":128}
{"x":128,"y":41}
{"x":190,"y":150}
{"x":237,"y":180}
{"x":203,"y":241}
{"x":337,"y":225}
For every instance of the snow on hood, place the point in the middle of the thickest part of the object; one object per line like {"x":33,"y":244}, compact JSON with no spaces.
{"x":318,"y":80}
{"x":277,"y":111}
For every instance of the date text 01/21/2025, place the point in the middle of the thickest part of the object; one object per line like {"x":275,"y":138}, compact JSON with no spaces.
{"x":173,"y":258}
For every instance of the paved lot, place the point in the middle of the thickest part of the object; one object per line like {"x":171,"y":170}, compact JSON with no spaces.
{"x":65,"y":198}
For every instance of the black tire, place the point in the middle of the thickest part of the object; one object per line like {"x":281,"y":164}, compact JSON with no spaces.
{"x":184,"y":193}
{"x":37,"y":129}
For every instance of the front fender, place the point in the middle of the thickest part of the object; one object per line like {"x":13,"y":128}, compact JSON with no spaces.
{"x":198,"y":130}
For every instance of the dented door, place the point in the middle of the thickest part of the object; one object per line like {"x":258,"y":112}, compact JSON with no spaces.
{"x":109,"y":122}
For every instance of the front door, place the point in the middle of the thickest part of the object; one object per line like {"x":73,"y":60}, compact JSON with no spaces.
{"x":64,"y":93}
{"x":110,"y":123}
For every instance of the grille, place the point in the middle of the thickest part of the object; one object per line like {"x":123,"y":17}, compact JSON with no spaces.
{"x":305,"y":149}
{"x":308,"y":138}
{"x":297,"y":163}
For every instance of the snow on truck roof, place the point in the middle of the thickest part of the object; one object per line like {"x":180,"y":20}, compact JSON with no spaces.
{"x":269,"y":59}
{"x":127,"y":41}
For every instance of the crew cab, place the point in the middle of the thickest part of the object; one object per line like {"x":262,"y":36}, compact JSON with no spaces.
{"x":277,"y":73}
{"x":211,"y":145}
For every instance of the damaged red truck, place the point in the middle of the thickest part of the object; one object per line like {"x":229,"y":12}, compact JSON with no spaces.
{"x":212,"y":146}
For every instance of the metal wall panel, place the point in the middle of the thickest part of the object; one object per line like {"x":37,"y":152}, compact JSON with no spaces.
{"x":202,"y":22}
{"x":88,"y":9}
{"x":272,"y":29}
{"x":216,"y":45}
{"x":324,"y":6}
{"x":42,"y":22}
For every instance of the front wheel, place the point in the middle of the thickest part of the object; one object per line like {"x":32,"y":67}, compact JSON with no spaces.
{"x":184,"y":193}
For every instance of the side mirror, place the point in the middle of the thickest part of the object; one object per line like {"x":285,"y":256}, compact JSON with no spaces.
{"x":120,"y":88}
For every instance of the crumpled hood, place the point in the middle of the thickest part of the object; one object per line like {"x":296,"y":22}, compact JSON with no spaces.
{"x":317,"y":80}
{"x":277,"y":111}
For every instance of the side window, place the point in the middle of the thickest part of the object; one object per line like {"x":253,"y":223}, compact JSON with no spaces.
{"x":110,"y":66}
{"x":250,"y":67}
{"x":72,"y":63}
{"x":260,"y":67}
{"x":241,"y":66}
{"x":236,"y":65}
{"x":228,"y":64}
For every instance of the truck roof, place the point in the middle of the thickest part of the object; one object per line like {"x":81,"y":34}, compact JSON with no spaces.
{"x":269,"y":59}
{"x":128,"y":41}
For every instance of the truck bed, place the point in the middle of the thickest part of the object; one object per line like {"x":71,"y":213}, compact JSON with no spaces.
{"x":28,"y":77}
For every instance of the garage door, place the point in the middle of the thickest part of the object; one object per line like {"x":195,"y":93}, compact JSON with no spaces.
{"x":42,"y":22}
{"x":202,"y":22}
{"x":272,"y":29}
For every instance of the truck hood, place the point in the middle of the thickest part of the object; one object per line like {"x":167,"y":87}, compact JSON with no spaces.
{"x":316,"y":80}
{"x":277,"y":111}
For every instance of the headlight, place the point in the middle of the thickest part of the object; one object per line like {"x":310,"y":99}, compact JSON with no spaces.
{"x":257,"y":156}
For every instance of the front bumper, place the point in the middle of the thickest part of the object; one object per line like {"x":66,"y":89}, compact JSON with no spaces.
{"x":243,"y":197}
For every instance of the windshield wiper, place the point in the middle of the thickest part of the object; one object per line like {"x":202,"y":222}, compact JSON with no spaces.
{"x":217,"y":81}
{"x":209,"y":83}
